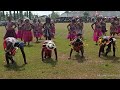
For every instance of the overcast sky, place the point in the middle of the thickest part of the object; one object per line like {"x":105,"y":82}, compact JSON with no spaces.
{"x":44,"y":12}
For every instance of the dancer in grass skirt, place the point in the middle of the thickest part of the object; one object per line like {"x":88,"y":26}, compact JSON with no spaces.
{"x":118,"y":32}
{"x":27,"y":33}
{"x":47,"y":29}
{"x":80,"y":28}
{"x":10,"y":28}
{"x":97,"y":30}
{"x":113,"y":29}
{"x":40,"y":28}
{"x":20,"y":28}
{"x":72,"y":30}
{"x":53,"y":29}
{"x":103,"y":26}
{"x":36,"y":29}
{"x":116,"y":21}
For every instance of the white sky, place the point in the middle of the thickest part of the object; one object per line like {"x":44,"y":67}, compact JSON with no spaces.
{"x":44,"y":12}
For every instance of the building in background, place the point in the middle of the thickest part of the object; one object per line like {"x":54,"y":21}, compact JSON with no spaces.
{"x":91,"y":13}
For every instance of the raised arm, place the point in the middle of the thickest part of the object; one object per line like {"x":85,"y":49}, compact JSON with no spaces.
{"x":93,"y":25}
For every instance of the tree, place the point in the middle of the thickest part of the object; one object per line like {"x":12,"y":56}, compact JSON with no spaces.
{"x":14,"y":16}
{"x":27,"y":13}
{"x":7,"y":14}
{"x":0,"y":15}
{"x":54,"y":15}
{"x":30,"y":15}
{"x":67,"y":13}
{"x":86,"y":15}
{"x":10,"y":13}
{"x":3,"y":15}
{"x":17,"y":15}
{"x":21,"y":14}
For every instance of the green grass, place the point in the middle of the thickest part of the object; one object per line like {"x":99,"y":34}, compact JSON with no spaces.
{"x":90,"y":67}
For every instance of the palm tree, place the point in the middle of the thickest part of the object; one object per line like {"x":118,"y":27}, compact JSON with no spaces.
{"x":10,"y":13}
{"x":7,"y":14}
{"x":0,"y":15}
{"x":17,"y":14}
{"x":21,"y":14}
{"x":3,"y":15}
{"x":27,"y":13}
{"x":14,"y":15}
{"x":30,"y":15}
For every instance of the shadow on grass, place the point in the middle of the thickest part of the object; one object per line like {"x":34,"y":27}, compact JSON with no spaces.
{"x":50,"y":61}
{"x":14,"y":67}
{"x":38,"y":42}
{"x":112,"y":58}
{"x":79,"y":58}
{"x":28,"y":45}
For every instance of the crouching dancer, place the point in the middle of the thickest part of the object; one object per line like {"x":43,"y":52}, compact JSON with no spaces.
{"x":77,"y":45}
{"x":10,"y":46}
{"x":47,"y":48}
{"x":107,"y":41}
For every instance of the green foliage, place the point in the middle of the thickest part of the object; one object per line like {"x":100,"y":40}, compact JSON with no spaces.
{"x":54,"y":15}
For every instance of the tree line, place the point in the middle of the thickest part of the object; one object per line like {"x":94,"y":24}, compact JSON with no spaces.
{"x":20,"y":14}
{"x":15,"y":15}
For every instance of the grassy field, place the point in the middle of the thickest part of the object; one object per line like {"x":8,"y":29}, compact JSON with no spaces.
{"x":90,"y":67}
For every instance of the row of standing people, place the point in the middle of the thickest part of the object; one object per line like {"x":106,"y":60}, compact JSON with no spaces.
{"x":26,"y":29}
{"x":100,"y":28}
{"x":74,"y":28}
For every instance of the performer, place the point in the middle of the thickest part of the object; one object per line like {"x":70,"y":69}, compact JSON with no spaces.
{"x":72,"y":30}
{"x":118,"y":32}
{"x":20,"y":29}
{"x":107,"y":41}
{"x":47,"y":48}
{"x":11,"y":44}
{"x":80,"y":26}
{"x":27,"y":33}
{"x":36,"y":29}
{"x":53,"y":28}
{"x":10,"y":28}
{"x":103,"y":26}
{"x":47,"y":29}
{"x":40,"y":28}
{"x":97,"y":30}
{"x":77,"y":45}
{"x":113,"y":29}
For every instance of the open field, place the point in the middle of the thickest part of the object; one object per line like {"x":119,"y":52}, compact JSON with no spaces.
{"x":90,"y":67}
